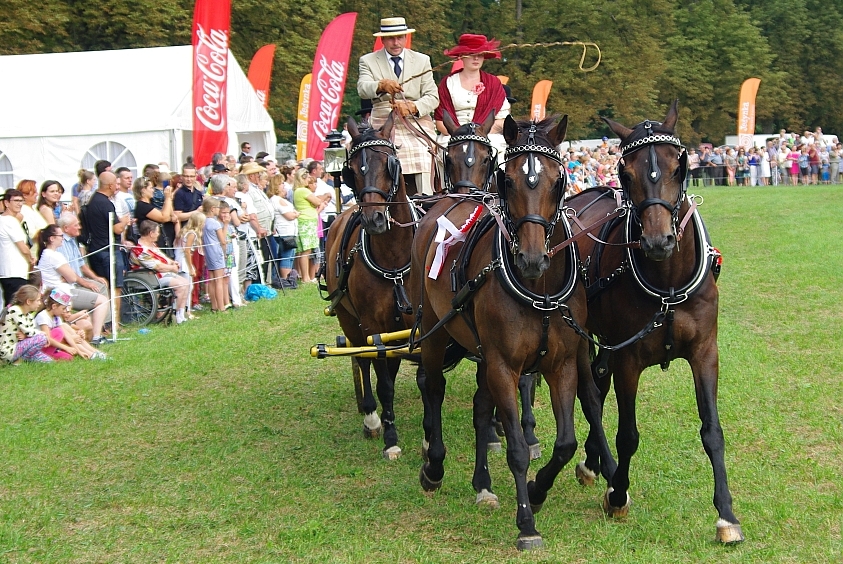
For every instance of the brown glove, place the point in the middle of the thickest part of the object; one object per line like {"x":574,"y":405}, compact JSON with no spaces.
{"x":404,"y":108}
{"x":388,"y":86}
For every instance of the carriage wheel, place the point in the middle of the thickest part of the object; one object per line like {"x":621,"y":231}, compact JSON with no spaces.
{"x":357,"y":376}
{"x":140,"y":304}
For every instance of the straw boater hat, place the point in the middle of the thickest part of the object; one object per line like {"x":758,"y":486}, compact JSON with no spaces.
{"x":393,"y":26}
{"x":470,"y":44}
{"x":251,"y":168}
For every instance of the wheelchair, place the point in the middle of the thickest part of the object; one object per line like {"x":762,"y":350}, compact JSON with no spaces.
{"x":145,"y":301}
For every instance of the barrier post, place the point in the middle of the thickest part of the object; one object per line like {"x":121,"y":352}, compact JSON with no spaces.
{"x":112,"y":275}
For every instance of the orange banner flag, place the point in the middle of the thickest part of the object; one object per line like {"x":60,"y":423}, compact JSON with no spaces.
{"x":301,"y":126}
{"x":540,"y":93}
{"x":260,"y":72}
{"x":746,"y":111}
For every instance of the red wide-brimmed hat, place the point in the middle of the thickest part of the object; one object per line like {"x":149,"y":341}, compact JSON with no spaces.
{"x":470,"y":44}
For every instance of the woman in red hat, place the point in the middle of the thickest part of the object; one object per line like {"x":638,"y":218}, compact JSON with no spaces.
{"x":469,"y":93}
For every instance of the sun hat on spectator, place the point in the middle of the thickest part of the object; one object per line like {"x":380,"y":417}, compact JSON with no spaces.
{"x":61,"y":294}
{"x":251,"y":168}
{"x":220,"y":168}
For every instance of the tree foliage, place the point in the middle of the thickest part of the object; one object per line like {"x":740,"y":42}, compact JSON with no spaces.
{"x":653,"y":51}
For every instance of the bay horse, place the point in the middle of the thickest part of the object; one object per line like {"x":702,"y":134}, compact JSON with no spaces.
{"x":652,"y":304}
{"x":367,"y":257}
{"x":508,"y":308}
{"x":470,"y":165}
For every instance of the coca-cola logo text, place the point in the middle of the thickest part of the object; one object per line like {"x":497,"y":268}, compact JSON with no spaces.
{"x":211,"y":53}
{"x":330,"y":79}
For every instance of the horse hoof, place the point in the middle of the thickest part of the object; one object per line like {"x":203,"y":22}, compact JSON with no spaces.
{"x":529,"y":543}
{"x":612,"y":511}
{"x":536,"y":507}
{"x":585,"y":476}
{"x":427,"y":484}
{"x":729,"y":533}
{"x":372,"y":427}
{"x":535,"y":451}
{"x":487,"y":499}
{"x":372,"y":433}
{"x":494,"y":446}
{"x":392,"y":453}
{"x":425,"y":446}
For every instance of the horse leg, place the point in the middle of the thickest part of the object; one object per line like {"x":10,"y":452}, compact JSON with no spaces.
{"x":562,"y":392}
{"x":371,"y":422}
{"x":387,"y":371}
{"x":527,"y":389}
{"x":433,"y":355}
{"x":616,"y":500}
{"x":427,"y":424}
{"x":592,"y":393}
{"x":501,"y":380}
{"x":483,"y":407}
{"x":704,"y":365}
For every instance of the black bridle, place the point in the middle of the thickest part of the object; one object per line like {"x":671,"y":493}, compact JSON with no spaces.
{"x":505,"y":184}
{"x":643,"y":136}
{"x":393,"y":166}
{"x":470,"y":159}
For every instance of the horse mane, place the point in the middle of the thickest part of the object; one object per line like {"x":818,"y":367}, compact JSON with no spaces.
{"x":365,"y":134}
{"x":466,"y":129}
{"x":541,"y":128}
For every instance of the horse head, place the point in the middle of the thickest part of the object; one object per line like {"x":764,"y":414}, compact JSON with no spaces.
{"x":373,"y":172}
{"x":652,"y":171}
{"x":531,"y":189}
{"x":470,"y":160}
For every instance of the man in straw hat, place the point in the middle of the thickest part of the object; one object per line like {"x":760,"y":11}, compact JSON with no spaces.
{"x":385,"y":79}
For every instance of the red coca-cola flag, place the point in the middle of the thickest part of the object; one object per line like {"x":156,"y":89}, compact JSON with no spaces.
{"x":330,"y":70}
{"x":260,"y":72}
{"x":211,"y":30}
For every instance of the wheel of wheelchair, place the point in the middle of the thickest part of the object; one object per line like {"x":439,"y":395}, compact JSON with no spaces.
{"x":140,"y":304}
{"x":144,"y":300}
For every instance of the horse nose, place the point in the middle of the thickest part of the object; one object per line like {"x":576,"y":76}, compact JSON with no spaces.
{"x":658,"y":247}
{"x":376,"y":223}
{"x":532,"y":266}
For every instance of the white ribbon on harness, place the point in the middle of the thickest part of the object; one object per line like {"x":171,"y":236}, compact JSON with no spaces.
{"x":457,"y":235}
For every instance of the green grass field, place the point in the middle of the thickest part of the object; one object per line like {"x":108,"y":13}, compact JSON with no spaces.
{"x":223,"y":441}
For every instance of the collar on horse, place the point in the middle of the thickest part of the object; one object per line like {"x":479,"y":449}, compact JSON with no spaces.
{"x":470,"y":159}
{"x":643,"y":136}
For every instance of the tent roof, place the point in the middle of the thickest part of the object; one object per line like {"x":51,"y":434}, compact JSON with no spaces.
{"x":98,"y":92}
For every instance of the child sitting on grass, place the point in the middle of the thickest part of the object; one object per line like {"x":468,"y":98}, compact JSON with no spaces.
{"x":20,"y":339}
{"x":53,"y":321}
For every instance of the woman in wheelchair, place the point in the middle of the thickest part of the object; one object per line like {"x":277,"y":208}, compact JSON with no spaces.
{"x":147,"y":255}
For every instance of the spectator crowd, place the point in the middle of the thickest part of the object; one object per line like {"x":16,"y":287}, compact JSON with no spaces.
{"x":207,"y":234}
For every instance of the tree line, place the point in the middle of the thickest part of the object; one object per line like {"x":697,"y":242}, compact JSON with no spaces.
{"x":653,"y":51}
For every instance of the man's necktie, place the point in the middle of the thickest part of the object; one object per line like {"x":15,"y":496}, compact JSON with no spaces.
{"x":396,"y":61}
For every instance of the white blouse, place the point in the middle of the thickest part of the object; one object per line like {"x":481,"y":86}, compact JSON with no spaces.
{"x":465,"y":101}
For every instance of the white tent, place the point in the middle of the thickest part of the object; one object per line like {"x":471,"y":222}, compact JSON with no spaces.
{"x":64,"y":111}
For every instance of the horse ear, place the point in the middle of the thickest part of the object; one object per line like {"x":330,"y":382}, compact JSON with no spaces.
{"x":510,"y":130}
{"x":386,"y":128}
{"x":487,"y":124}
{"x":617,"y":129}
{"x":450,"y":125}
{"x":559,"y":132}
{"x":672,"y":116}
{"x":352,"y":127}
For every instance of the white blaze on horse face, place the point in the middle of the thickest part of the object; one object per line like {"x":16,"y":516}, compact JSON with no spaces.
{"x":465,"y":147}
{"x":537,"y":165}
